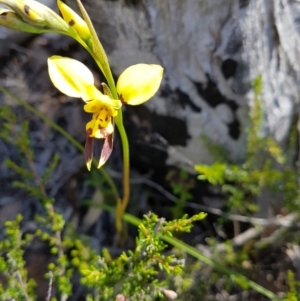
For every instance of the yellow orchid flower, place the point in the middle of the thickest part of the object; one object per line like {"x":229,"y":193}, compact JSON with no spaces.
{"x":135,"y":85}
{"x":74,"y":79}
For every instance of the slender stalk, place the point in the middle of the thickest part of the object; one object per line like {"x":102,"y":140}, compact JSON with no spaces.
{"x":99,"y":56}
{"x":124,"y":140}
{"x":126,"y":162}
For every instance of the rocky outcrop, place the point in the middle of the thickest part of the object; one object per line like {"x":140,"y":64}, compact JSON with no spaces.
{"x":211,"y":51}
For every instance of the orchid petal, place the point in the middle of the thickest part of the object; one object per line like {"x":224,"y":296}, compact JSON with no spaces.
{"x":93,"y":106}
{"x":70,"y":76}
{"x":139,"y":83}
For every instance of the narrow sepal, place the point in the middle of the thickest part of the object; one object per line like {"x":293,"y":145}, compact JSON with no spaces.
{"x":88,"y":150}
{"x":106,"y":150}
{"x":106,"y":90}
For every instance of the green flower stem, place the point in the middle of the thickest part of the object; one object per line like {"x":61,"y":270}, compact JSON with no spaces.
{"x":98,"y":54}
{"x":238,"y":278}
{"x":124,"y":140}
{"x":126,"y":163}
{"x":126,"y":160}
{"x":63,"y":133}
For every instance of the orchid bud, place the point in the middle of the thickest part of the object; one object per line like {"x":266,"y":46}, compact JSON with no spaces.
{"x":74,"y":20}
{"x":10,"y":19}
{"x":37,"y":14}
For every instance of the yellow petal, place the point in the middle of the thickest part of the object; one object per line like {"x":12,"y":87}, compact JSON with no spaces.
{"x":70,"y":76}
{"x":74,"y":20}
{"x":93,"y":106}
{"x":139,"y":83}
{"x":115,"y":103}
{"x":96,"y":106}
{"x":90,"y":92}
{"x":89,"y":126}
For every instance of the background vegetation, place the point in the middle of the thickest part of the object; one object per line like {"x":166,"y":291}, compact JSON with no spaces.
{"x":59,"y":241}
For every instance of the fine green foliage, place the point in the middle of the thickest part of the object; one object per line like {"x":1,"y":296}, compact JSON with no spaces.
{"x":294,"y":287}
{"x":16,"y":285}
{"x":136,"y":274}
{"x":140,"y":273}
{"x":102,"y":276}
{"x":266,"y":168}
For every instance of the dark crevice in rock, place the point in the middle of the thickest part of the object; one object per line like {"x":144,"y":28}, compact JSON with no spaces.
{"x":244,"y":3}
{"x":232,"y":105}
{"x":143,"y":128}
{"x":179,"y":97}
{"x":229,"y":67}
{"x":132,"y":3}
{"x":211,"y":95}
{"x":185,"y":100}
{"x":234,"y":129}
{"x":147,"y":123}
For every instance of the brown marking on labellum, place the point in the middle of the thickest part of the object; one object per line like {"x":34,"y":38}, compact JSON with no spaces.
{"x":4,"y":14}
{"x":106,"y":116}
{"x":89,"y":132}
{"x":72,"y":22}
{"x":27,"y":9}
